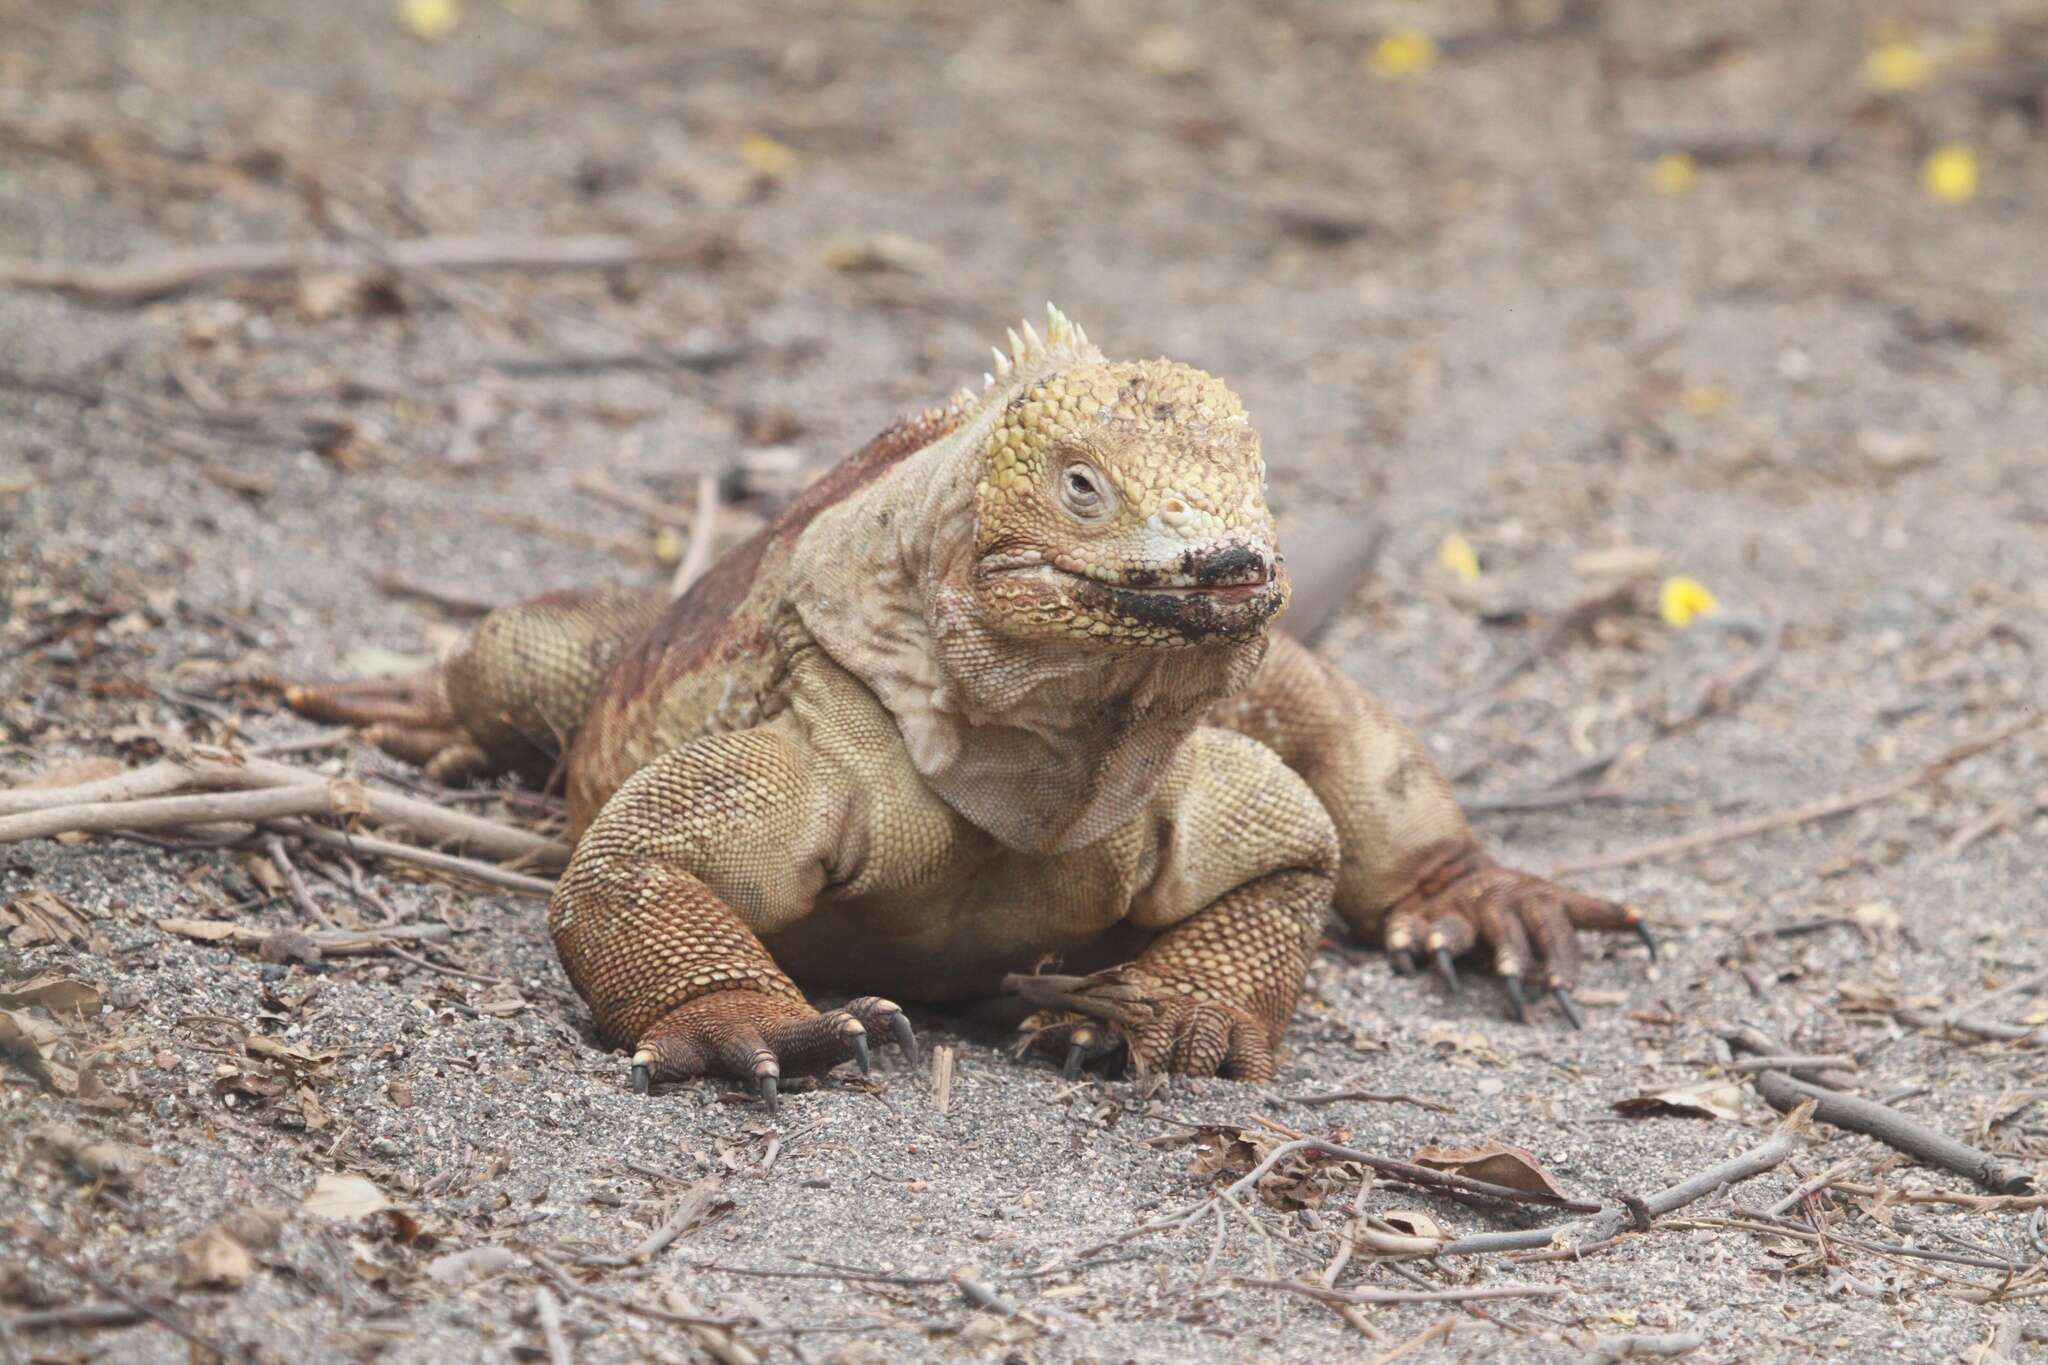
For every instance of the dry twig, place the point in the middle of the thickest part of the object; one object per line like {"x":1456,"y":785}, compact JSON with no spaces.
{"x":1895,"y":1130}
{"x":1467,"y":1294}
{"x":173,"y":272}
{"x":1824,"y":809}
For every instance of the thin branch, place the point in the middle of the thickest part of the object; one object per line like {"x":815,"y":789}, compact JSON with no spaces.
{"x":548,"y":1313}
{"x":330,"y":942}
{"x":140,"y":280}
{"x":157,"y":779}
{"x":1464,"y":1295}
{"x":166,"y":812}
{"x":1369,"y":1097}
{"x":1983,"y":1030}
{"x":1609,"y":1224}
{"x":1807,"y":814}
{"x":703,"y":533}
{"x":1808,"y":1188}
{"x":273,"y":848}
{"x":220,"y":771}
{"x":453,"y":865}
{"x":1979,"y":1203}
{"x":1424,"y":1176}
{"x":1895,"y":1130}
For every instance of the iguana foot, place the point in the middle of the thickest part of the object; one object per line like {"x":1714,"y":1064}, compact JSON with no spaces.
{"x":761,"y":1038}
{"x":407,"y":717}
{"x":1467,"y":901}
{"x":1163,"y":1025}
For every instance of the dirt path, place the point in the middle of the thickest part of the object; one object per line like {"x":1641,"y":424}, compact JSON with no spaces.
{"x":1453,"y":301}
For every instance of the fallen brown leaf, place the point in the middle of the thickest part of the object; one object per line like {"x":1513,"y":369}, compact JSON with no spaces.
{"x":37,"y":917}
{"x":463,"y":1266}
{"x":1494,"y":1162}
{"x":214,"y":1260}
{"x":1720,"y":1099}
{"x":343,"y":1198}
{"x":57,"y":994}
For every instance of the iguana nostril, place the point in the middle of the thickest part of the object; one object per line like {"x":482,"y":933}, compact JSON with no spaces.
{"x":1175,"y":512}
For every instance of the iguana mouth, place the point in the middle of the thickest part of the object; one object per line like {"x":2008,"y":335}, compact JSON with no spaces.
{"x":1232,"y":574}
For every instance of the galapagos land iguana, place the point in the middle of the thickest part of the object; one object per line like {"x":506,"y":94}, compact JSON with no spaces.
{"x":1002,"y":687}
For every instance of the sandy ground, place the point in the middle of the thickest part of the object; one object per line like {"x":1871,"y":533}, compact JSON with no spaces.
{"x":1452,"y":302}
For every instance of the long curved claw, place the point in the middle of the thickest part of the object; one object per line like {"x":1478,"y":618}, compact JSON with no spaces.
{"x":1518,"y":1006}
{"x":761,"y":1038}
{"x":1570,"y":1007}
{"x":1446,"y":969}
{"x":1076,"y":1054}
{"x":1649,"y":939}
{"x":1403,"y":960}
{"x":643,"y":1076}
{"x":906,"y":1036}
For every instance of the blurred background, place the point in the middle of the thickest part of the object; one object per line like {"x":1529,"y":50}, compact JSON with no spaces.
{"x":1541,"y":300}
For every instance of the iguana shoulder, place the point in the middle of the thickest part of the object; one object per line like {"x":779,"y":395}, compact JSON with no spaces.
{"x":714,"y":660}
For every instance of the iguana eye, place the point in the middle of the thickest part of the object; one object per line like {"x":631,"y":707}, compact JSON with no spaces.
{"x":1086,"y":494}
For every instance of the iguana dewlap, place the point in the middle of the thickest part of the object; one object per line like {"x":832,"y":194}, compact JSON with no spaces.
{"x":1000,"y":689}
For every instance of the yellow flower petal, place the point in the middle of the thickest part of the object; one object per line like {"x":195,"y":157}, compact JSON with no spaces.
{"x":1703,"y":400}
{"x":1950,"y":174}
{"x":430,"y":19}
{"x":767,"y":156}
{"x":2038,"y":1017}
{"x":1622,"y":1316}
{"x":1404,"y":52}
{"x":1682,"y":600}
{"x":1456,"y":554}
{"x":1895,"y":63}
{"x":1673,"y":173}
{"x":668,"y":546}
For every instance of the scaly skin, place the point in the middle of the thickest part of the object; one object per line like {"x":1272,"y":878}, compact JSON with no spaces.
{"x":1000,"y":690}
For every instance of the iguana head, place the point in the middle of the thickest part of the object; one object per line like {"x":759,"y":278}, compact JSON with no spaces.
{"x":1120,"y":505}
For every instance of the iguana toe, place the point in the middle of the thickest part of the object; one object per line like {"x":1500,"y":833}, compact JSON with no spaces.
{"x":760,"y":1038}
{"x":1529,"y":924}
{"x":1161,"y":1025}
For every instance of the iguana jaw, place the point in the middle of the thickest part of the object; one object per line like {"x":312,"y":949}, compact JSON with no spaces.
{"x":1230,"y":593}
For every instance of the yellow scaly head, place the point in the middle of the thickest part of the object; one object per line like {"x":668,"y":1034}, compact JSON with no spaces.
{"x":1121,"y":503}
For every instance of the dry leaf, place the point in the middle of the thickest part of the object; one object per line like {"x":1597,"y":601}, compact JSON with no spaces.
{"x":36,"y":917}
{"x":348,"y":798}
{"x":117,"y":1163}
{"x":345,"y":1198}
{"x":77,"y":771}
{"x":271,"y":1049}
{"x":1415,"y":1223}
{"x":1720,"y":1099}
{"x":205,"y":930}
{"x":311,"y":1110}
{"x":340,"y":1198}
{"x":94,"y":1093}
{"x":1416,"y":1234}
{"x":57,"y":994}
{"x":1494,"y":1162}
{"x":24,"y":1036}
{"x":502,"y":1000}
{"x":257,"y":1228}
{"x":464,"y":1266}
{"x":264,"y":873}
{"x":214,"y":1260}
{"x":1865,"y":998}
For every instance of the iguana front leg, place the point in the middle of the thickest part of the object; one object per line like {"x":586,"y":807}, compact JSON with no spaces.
{"x":1413,"y":875}
{"x":658,"y":917}
{"x":1243,"y":863}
